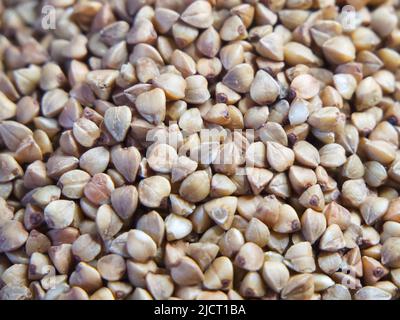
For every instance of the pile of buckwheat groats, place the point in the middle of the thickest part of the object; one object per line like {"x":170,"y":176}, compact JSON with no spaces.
{"x":177,"y":149}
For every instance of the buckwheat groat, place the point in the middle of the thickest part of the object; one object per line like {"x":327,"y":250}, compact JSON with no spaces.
{"x":199,"y":149}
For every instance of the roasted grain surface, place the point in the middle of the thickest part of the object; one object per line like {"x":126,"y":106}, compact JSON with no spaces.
{"x":199,"y":150}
